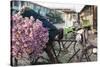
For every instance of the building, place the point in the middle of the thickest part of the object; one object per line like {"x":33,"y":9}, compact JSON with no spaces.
{"x":16,"y":6}
{"x":89,"y":13}
{"x":42,"y":10}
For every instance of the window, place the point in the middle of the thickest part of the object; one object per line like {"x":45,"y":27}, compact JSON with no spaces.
{"x":42,"y":12}
{"x":16,"y":3}
{"x":22,"y":3}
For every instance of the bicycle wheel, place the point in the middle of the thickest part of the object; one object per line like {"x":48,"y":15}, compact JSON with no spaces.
{"x":91,"y":52}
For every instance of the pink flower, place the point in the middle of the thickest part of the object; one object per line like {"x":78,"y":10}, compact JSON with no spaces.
{"x":28,"y":36}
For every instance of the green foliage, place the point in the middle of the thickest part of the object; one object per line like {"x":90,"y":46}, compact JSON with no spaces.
{"x":67,"y":30}
{"x":86,"y":23}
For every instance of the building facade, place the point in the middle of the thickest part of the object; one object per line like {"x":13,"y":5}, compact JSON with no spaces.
{"x":17,"y":5}
{"x":89,"y":13}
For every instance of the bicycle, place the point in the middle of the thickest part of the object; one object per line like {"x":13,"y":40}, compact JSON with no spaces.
{"x":86,"y":48}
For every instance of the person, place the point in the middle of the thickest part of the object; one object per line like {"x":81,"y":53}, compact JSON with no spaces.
{"x":53,"y":31}
{"x":27,"y":12}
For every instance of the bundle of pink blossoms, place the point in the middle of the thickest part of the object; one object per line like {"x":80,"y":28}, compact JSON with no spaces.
{"x":28,"y":36}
